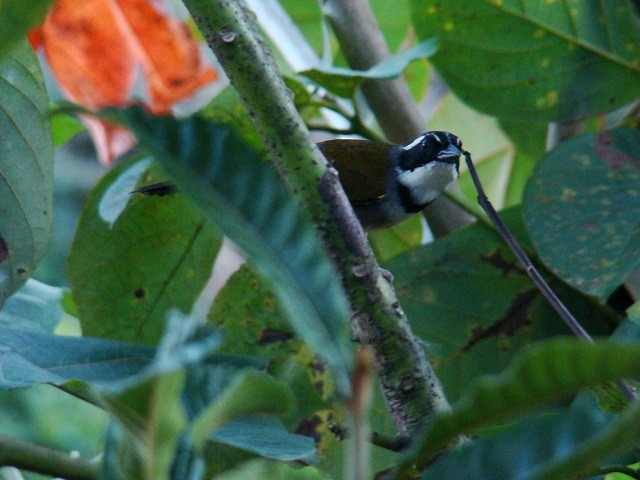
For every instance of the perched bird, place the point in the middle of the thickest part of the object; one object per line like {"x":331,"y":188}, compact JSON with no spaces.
{"x":388,"y":183}
{"x":385,"y":183}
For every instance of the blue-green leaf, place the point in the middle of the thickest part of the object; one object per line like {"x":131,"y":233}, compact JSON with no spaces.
{"x":26,"y":169}
{"x":582,"y":210}
{"x":344,"y":82}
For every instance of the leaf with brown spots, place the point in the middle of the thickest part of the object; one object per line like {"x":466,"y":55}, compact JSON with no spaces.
{"x":582,"y":210}
{"x":468,"y":299}
{"x":535,"y":61}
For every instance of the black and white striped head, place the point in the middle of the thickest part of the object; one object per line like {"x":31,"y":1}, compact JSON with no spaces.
{"x":426,"y":166}
{"x":432,"y":146}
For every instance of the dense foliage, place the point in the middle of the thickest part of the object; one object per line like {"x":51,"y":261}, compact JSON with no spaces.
{"x":135,"y":355}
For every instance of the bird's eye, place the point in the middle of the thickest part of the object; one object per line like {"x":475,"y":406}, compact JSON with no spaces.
{"x":431,"y":146}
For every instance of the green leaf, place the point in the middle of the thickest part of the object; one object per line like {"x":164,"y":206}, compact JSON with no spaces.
{"x":134,"y":257}
{"x":35,"y":306}
{"x":473,"y":305}
{"x":542,"y":443}
{"x":581,"y":208}
{"x":251,"y":316}
{"x":535,"y":61}
{"x":344,"y":82}
{"x":264,"y":436}
{"x":26,"y":167}
{"x":257,"y":469}
{"x":243,"y":196}
{"x":16,"y":19}
{"x":251,"y":392}
{"x":63,"y":128}
{"x":542,"y":373}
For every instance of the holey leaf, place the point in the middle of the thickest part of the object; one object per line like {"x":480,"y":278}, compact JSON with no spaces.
{"x":582,"y":209}
{"x":532,"y":60}
{"x":26,"y":169}
{"x":244,"y":197}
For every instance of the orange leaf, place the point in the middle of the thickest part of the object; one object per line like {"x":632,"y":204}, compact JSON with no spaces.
{"x":98,"y":48}
{"x":172,"y":62}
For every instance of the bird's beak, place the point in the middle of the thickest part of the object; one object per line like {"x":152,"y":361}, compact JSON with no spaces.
{"x":451,"y":154}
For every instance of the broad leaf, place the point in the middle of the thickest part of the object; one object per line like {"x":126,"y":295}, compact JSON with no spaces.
{"x":134,"y":257}
{"x":244,"y":197}
{"x":538,"y":61}
{"x":542,"y":373}
{"x":582,"y":210}
{"x":16,"y":18}
{"x":469,"y":286}
{"x":533,"y":449}
{"x":26,"y":168}
{"x":344,"y":82}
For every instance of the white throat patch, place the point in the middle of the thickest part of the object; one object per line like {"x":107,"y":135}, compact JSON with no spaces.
{"x":427,"y":182}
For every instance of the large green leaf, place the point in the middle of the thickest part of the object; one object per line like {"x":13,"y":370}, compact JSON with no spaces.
{"x":16,"y":18}
{"x":474,"y":306}
{"x":582,"y":210}
{"x":533,"y":60}
{"x":134,"y":257}
{"x":26,"y":169}
{"x":544,"y":446}
{"x":344,"y":82}
{"x":542,"y":373}
{"x":244,"y":197}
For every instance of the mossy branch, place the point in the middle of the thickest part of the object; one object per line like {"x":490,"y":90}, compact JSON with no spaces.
{"x":411,"y":389}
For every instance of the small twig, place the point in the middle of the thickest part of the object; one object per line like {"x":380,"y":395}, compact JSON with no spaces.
{"x":34,"y":458}
{"x":533,"y":272}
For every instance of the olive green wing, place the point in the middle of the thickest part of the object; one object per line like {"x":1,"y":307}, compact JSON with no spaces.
{"x":362,"y":166}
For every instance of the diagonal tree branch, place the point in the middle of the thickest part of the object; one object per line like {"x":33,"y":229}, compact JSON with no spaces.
{"x":412,"y":391}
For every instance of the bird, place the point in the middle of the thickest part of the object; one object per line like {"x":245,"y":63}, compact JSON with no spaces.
{"x":385,"y":183}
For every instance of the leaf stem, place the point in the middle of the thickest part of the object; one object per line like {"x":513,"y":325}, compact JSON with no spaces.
{"x":34,"y":458}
